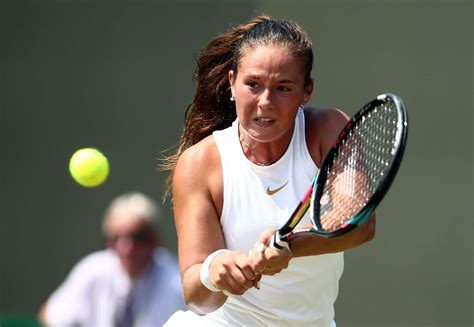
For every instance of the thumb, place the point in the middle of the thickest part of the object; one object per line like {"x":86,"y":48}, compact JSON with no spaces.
{"x":266,"y":236}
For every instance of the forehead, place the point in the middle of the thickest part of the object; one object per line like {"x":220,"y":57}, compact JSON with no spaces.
{"x":272,"y":58}
{"x":121,"y":223}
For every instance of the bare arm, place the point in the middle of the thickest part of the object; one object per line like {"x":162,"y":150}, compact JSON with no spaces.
{"x":197,"y":202}
{"x":273,"y":260}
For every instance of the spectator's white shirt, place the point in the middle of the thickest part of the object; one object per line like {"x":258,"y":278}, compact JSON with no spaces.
{"x":95,"y":291}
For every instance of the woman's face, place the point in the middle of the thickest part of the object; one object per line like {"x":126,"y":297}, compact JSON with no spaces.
{"x":268,"y":89}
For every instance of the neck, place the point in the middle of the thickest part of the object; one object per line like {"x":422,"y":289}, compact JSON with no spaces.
{"x":250,"y":151}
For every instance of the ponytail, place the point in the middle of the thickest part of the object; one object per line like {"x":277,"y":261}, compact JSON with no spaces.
{"x":211,"y":108}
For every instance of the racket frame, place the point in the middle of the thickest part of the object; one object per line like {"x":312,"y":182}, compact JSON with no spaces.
{"x":286,"y":233}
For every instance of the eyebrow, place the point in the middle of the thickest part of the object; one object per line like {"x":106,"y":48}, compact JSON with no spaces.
{"x":286,"y":81}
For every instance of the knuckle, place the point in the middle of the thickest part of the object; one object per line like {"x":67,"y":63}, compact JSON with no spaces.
{"x":248,"y":284}
{"x":245,"y":265}
{"x":221,"y":272}
{"x":239,"y":292}
{"x":272,"y":255}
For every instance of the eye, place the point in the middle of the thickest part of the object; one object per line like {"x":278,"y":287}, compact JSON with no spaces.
{"x":283,"y":88}
{"x":252,"y":85}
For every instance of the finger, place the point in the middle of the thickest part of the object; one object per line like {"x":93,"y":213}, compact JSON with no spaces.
{"x":240,"y":279}
{"x":226,"y":282}
{"x":266,"y":235}
{"x":272,"y":254}
{"x":260,"y":247}
{"x":257,"y":261}
{"x":237,"y":287}
{"x":257,"y":249}
{"x":270,"y":271}
{"x":242,"y":261}
{"x":248,"y":273}
{"x":277,"y":259}
{"x":271,"y":261}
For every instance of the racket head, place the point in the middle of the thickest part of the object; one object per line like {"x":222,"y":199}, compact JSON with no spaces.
{"x":360,"y":167}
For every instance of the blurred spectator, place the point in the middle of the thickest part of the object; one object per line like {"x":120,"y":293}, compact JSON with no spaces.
{"x":134,"y":282}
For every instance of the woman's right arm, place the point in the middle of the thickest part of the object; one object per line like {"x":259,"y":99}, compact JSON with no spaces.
{"x":197,"y":203}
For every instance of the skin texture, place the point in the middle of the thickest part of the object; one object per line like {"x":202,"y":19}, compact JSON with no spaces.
{"x":268,"y":89}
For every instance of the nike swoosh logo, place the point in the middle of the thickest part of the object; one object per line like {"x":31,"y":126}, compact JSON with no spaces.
{"x":271,"y":192}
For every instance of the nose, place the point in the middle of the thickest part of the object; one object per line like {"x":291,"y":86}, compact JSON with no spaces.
{"x":266,"y":99}
{"x":124,"y":245}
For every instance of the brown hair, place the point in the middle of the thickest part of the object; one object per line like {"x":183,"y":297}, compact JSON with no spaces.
{"x":211,"y":108}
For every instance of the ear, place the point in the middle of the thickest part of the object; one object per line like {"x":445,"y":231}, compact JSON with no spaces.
{"x":231,"y":76}
{"x":308,"y":91}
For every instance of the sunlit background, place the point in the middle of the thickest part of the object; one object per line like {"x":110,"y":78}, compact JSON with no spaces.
{"x":117,"y":75}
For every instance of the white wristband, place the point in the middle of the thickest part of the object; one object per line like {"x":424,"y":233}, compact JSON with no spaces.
{"x":204,"y":273}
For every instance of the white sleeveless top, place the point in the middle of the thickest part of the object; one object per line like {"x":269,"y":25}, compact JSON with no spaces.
{"x":305,"y":292}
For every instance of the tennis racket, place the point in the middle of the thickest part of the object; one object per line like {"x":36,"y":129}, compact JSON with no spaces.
{"x":356,"y":173}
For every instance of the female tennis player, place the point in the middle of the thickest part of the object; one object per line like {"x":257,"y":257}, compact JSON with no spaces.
{"x":247,"y":154}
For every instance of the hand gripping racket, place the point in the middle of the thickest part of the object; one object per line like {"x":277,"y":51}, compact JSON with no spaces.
{"x":356,"y":173}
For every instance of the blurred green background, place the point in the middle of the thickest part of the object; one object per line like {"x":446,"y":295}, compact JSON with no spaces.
{"x":117,"y":75}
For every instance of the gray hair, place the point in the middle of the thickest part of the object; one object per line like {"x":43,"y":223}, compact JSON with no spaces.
{"x":137,"y":205}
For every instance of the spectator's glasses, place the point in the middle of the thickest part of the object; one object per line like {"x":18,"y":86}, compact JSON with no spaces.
{"x":141,"y":236}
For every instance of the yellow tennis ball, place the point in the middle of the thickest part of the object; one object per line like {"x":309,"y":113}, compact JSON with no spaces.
{"x":89,"y":167}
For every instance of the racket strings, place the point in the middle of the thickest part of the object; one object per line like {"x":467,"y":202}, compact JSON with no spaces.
{"x":360,"y":165}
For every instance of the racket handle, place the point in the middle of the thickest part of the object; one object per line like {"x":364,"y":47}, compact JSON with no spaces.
{"x":277,"y":242}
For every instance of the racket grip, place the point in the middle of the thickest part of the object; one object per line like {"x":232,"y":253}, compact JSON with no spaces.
{"x":277,"y":242}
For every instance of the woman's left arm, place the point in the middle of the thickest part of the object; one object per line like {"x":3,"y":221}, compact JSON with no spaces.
{"x":327,"y":123}
{"x":268,"y":260}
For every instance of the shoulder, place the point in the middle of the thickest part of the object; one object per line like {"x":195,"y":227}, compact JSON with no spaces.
{"x":198,"y":164}
{"x":326,"y":119}
{"x":322,"y":126}
{"x":197,"y":179}
{"x":200,"y":155}
{"x":96,"y":258}
{"x":86,"y":272}
{"x":95,"y":263}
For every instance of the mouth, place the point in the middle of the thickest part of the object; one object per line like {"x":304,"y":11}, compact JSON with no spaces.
{"x":264,"y":121}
